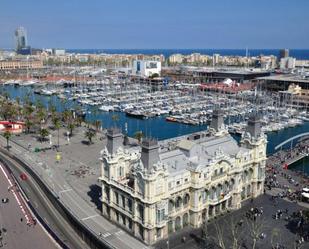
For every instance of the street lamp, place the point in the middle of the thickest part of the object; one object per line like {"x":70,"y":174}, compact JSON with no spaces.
{"x":168,"y":218}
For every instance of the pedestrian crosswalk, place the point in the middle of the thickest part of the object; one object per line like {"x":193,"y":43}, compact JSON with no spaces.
{"x":119,"y":233}
{"x":105,"y":235}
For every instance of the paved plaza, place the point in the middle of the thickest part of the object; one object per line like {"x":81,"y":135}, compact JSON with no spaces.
{"x":78,"y":169}
{"x":73,"y":178}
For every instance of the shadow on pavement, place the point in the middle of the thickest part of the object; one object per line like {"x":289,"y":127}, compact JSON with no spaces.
{"x":95,"y":193}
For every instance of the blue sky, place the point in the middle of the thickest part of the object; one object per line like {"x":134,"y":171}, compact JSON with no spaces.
{"x":157,"y":23}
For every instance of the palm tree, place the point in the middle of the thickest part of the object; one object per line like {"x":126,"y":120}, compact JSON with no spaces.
{"x":41,"y":115}
{"x":71,"y":127}
{"x":28,"y":109}
{"x":139,"y":135}
{"x":57,"y":125}
{"x":79,"y":120}
{"x":67,"y":116}
{"x":43,"y":133}
{"x":28,"y":124}
{"x":89,"y":134}
{"x":7,"y":135}
{"x":8,"y":110}
{"x":97,"y":124}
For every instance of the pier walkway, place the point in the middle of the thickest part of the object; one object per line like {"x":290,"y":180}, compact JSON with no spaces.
{"x":288,"y":157}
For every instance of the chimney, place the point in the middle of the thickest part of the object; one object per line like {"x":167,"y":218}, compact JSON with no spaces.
{"x":254,"y":126}
{"x":217,"y":120}
{"x":114,"y":140}
{"x":150,"y":153}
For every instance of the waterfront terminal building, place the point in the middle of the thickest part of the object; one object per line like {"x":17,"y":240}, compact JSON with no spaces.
{"x":155,"y":189}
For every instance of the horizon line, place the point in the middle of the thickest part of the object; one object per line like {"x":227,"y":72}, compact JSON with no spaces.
{"x":10,"y":48}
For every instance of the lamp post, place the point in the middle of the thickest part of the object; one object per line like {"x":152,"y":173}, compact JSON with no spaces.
{"x":168,"y":218}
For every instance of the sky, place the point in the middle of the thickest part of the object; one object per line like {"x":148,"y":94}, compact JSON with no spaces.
{"x":147,"y":24}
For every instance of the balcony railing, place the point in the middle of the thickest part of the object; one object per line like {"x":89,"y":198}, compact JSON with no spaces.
{"x":127,"y":189}
{"x":216,"y":177}
{"x":219,"y":199}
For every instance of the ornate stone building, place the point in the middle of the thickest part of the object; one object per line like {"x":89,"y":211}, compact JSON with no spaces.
{"x":155,"y":189}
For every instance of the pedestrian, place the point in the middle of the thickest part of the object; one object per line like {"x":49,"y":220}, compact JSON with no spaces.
{"x":183,"y":239}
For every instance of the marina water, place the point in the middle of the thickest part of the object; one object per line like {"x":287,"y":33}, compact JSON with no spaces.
{"x":154,"y":127}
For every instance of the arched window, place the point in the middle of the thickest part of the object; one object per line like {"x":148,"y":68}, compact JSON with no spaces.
{"x":185,"y":220}
{"x":232,"y":184}
{"x":178,"y":202}
{"x":120,"y":171}
{"x":178,"y":223}
{"x":225,"y":187}
{"x":205,"y":195}
{"x":218,"y":191}
{"x":248,"y":190}
{"x":170,"y":206}
{"x":186,"y":199}
{"x":212,"y":193}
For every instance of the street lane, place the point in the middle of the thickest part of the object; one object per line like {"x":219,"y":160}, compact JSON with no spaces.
{"x":45,"y":209}
{"x":18,"y":234}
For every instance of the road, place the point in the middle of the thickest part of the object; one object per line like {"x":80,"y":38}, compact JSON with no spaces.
{"x":44,"y":208}
{"x":18,"y":234}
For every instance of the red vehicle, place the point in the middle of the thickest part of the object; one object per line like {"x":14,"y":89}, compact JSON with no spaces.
{"x":23,"y":176}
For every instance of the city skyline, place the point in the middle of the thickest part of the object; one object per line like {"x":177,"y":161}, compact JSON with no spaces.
{"x":151,"y":25}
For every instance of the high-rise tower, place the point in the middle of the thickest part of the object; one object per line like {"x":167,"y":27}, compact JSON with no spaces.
{"x":21,"y":41}
{"x":21,"y":38}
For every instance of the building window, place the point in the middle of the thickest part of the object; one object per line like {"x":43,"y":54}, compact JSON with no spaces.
{"x":186,"y":179}
{"x":159,"y":232}
{"x":170,"y":206}
{"x":106,"y":192}
{"x":123,"y":201}
{"x":130,"y":224}
{"x":141,"y":211}
{"x":178,"y":182}
{"x":178,"y":202}
{"x":120,"y":171}
{"x":205,"y":196}
{"x":117,"y":198}
{"x":160,"y":215}
{"x":123,"y":219}
{"x":170,"y":185}
{"x":106,"y":171}
{"x":130,"y":204}
{"x":186,"y":199}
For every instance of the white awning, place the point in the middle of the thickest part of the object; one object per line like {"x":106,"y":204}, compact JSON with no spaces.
{"x":306,"y":190}
{"x":306,"y":195}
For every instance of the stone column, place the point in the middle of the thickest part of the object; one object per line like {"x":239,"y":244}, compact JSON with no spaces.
{"x":236,"y":201}
{"x":103,"y":199}
{"x":254,"y":189}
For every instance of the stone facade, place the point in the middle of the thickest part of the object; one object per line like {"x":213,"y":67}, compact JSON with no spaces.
{"x":156,"y":189}
{"x":20,"y":64}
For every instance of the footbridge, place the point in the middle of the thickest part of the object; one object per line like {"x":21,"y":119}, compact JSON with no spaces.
{"x":298,"y":152}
